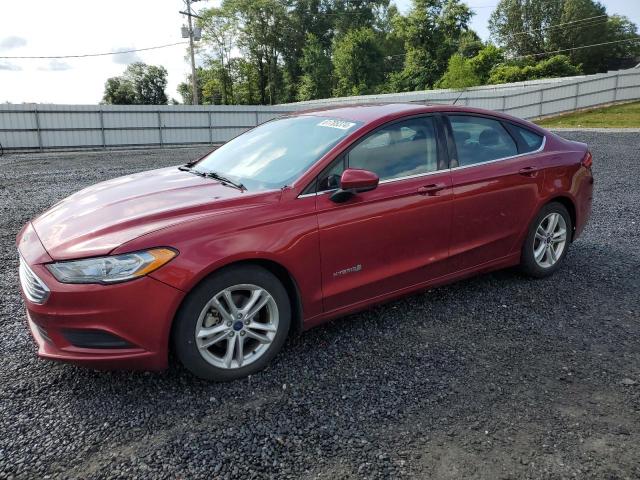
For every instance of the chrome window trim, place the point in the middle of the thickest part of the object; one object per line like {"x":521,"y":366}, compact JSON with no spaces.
{"x":532,"y":152}
{"x":417,"y":175}
{"x":389,"y":180}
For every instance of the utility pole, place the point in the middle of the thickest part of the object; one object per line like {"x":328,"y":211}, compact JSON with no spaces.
{"x":194,"y":80}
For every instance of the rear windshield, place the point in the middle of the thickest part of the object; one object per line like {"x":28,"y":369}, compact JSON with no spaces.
{"x":276,"y":153}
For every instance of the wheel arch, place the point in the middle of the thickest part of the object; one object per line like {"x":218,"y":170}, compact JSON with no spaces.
{"x":568,"y":203}
{"x":277,"y":269}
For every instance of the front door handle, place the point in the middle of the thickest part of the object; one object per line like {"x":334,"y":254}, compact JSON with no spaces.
{"x":528,"y":171}
{"x":431,"y":189}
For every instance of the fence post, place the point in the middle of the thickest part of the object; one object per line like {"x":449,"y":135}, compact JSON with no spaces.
{"x":541,"y":102}
{"x":160,"y":128}
{"x":104,"y":142}
{"x":35,"y":111}
{"x":504,"y":103}
{"x":210,"y":128}
{"x":615,"y":87}
{"x":256,"y":112}
{"x":575,"y":104}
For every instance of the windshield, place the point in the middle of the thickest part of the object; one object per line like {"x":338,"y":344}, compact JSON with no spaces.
{"x":276,"y":153}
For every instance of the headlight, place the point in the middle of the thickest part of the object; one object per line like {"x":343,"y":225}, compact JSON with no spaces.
{"x":111,"y":269}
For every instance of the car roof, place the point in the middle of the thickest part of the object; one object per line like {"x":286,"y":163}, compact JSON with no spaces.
{"x":374,"y":112}
{"x":364,"y":112}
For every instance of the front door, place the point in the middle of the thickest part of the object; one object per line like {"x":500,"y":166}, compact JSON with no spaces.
{"x":397,"y":235}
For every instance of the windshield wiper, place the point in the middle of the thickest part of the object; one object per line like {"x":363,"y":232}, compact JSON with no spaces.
{"x":216,"y":176}
{"x":187,"y":168}
{"x":224,"y":180}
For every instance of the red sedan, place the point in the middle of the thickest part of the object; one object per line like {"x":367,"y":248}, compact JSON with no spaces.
{"x":302,"y":219}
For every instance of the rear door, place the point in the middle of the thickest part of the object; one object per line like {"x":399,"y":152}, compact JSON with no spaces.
{"x":397,"y":235}
{"x":496,"y":187}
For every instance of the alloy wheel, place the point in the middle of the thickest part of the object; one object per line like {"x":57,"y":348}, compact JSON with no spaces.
{"x":550,"y":240}
{"x":237,"y":326}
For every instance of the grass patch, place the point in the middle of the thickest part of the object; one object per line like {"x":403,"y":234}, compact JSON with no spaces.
{"x":616,"y":116}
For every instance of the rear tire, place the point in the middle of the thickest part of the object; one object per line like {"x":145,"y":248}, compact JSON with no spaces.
{"x":232,"y":324}
{"x":547,"y":241}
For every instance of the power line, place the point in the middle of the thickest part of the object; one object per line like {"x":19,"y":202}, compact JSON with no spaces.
{"x":576,"y":48}
{"x":587,"y":19}
{"x":92,"y":54}
{"x":474,"y":7}
{"x":389,"y":57}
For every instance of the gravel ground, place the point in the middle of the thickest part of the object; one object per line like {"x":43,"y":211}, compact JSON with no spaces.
{"x":494,"y":377}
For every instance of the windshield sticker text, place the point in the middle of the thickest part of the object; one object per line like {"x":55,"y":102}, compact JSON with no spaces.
{"x":336,"y":124}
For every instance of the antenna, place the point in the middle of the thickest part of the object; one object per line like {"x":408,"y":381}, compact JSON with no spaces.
{"x":458,"y":97}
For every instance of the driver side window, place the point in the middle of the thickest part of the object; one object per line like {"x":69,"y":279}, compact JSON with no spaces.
{"x":402,"y":149}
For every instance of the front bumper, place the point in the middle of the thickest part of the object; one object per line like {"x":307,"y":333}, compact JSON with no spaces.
{"x":120,"y":326}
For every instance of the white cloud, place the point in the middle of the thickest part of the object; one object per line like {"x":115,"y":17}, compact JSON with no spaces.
{"x":125,"y":58}
{"x":55,"y":65}
{"x":11,"y":42}
{"x":87,"y":27}
{"x":9,"y":66}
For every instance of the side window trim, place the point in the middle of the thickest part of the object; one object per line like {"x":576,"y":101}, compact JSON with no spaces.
{"x":452,"y":145}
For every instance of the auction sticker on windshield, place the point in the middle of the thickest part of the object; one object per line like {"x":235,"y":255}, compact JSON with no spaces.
{"x":342,"y":125}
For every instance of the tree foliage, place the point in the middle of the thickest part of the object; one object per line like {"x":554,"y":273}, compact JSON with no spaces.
{"x":315,"y":65}
{"x":556,"y":66}
{"x":141,"y":84}
{"x":460,"y":74}
{"x":538,"y":27}
{"x":358,"y":61}
{"x":276,"y":51}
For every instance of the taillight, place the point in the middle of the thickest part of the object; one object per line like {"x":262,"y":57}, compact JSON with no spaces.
{"x":587,"y":161}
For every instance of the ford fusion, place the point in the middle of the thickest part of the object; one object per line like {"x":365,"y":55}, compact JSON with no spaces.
{"x":297,"y":221}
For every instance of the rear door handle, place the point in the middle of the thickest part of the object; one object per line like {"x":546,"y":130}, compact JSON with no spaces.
{"x":431,"y":189}
{"x":528,"y":171}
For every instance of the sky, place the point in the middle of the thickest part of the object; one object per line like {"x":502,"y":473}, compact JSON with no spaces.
{"x":72,"y":27}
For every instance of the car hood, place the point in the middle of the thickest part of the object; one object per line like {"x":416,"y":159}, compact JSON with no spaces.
{"x":99,"y":218}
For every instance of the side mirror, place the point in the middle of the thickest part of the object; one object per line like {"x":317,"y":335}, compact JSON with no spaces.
{"x":354,"y":181}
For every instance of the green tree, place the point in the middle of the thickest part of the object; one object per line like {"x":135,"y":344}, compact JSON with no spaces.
{"x":185,"y":89}
{"x":521,"y":26}
{"x":141,"y":84}
{"x":119,"y":91}
{"x":357,"y":14}
{"x":556,"y":66}
{"x":260,"y":24}
{"x":460,"y":74}
{"x":535,"y":27}
{"x":220,"y":33}
{"x":485,"y":60}
{"x":432,"y":32}
{"x":357,"y":63}
{"x":316,"y":67}
{"x":625,"y":53}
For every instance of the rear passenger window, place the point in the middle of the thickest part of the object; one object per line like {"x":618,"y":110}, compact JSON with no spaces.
{"x":398,"y":150}
{"x":480,"y":140}
{"x":532,"y":141}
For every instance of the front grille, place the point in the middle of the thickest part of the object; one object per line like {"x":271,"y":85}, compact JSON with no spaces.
{"x":34,"y":289}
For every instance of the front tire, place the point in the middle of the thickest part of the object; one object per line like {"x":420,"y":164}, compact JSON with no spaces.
{"x":232,"y":324}
{"x":547,"y":241}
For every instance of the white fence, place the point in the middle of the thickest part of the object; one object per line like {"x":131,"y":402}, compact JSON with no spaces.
{"x":47,"y":127}
{"x":531,"y":99}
